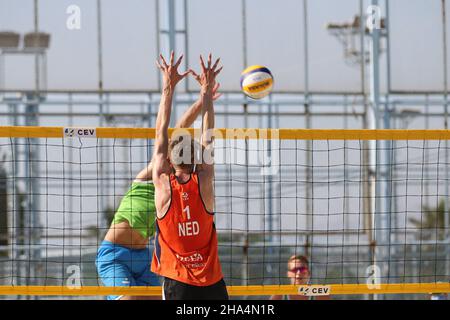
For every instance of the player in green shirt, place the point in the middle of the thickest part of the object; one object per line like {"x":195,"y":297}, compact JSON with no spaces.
{"x":124,"y":257}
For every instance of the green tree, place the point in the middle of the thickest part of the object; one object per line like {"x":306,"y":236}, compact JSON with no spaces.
{"x":431,"y":226}
{"x":96,"y":231}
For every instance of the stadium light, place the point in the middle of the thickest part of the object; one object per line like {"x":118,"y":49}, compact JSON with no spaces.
{"x":36,"y":40}
{"x":349,"y":35}
{"x":9,"y":40}
{"x":410,"y":112}
{"x":407,"y":115}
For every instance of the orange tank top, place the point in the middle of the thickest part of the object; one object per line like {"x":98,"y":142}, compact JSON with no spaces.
{"x":186,"y":241}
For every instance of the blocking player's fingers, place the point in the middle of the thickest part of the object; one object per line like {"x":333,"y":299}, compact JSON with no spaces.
{"x":158,"y":65}
{"x":215,"y":64}
{"x":202,"y":64}
{"x":184,"y":74}
{"x":217,"y":96}
{"x":218,"y":71}
{"x":163,"y":61}
{"x":194,"y":73}
{"x":216,"y":87}
{"x":209,"y":61}
{"x":178,"y":61}
{"x":171,"y":57}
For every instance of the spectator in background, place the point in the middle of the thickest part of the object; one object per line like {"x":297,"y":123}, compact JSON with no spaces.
{"x":298,"y":273}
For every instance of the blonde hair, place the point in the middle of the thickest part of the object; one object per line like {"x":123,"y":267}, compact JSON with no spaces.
{"x":301,"y":258}
{"x":176,"y":150}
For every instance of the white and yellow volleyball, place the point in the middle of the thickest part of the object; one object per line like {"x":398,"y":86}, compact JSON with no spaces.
{"x":256,"y":81}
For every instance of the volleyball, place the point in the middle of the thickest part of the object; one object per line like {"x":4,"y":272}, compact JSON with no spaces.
{"x":256,"y":81}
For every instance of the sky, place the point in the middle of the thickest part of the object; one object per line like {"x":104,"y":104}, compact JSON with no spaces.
{"x":275,"y":38}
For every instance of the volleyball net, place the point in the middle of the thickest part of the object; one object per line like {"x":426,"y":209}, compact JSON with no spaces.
{"x":368,"y":208}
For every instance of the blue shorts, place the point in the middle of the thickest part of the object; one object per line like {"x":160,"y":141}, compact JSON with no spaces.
{"x":119,"y":266}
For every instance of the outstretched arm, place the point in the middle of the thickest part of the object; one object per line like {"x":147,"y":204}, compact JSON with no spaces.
{"x":207,"y":81}
{"x":161,"y":141}
{"x":188,"y":118}
{"x":170,"y":79}
{"x":206,"y":95}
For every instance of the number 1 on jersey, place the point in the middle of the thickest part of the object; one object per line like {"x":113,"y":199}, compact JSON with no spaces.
{"x":188,"y":213}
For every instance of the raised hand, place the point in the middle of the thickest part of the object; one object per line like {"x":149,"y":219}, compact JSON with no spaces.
{"x":170,"y":71}
{"x":216,"y":94}
{"x":207,"y":78}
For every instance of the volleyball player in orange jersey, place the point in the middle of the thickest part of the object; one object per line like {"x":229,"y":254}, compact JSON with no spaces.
{"x":186,"y":249}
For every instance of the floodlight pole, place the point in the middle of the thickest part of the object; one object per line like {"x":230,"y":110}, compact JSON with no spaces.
{"x":170,"y":32}
{"x":16,"y":202}
{"x":172,"y":47}
{"x":446,"y":201}
{"x":36,"y":57}
{"x":31,"y":172}
{"x":309,"y":143}
{"x":101,"y":167}
{"x":2,"y":70}
{"x":245,"y":269}
{"x":380,"y":223}
{"x":32,"y":161}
